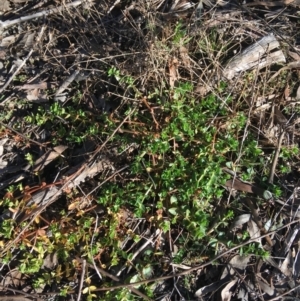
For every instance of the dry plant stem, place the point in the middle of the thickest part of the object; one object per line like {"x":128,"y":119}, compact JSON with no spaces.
{"x":92,"y":242}
{"x":111,"y":136}
{"x":149,"y":240}
{"x":99,"y":270}
{"x":114,"y":278}
{"x":41,"y":209}
{"x":106,"y":274}
{"x":21,"y":135}
{"x":17,"y":298}
{"x":195,"y":268}
{"x":43,"y":13}
{"x":257,"y":220}
{"x":107,"y":179}
{"x":66,"y":184}
{"x":275,"y":159}
{"x":271,"y":28}
{"x":21,"y":296}
{"x":67,"y":82}
{"x":16,"y":72}
{"x":23,"y":62}
{"x":81,"y":279}
{"x":199,"y":266}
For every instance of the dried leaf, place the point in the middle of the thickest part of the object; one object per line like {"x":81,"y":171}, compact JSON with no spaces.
{"x":50,"y":261}
{"x":3,"y":141}
{"x":61,"y":97}
{"x":185,"y":57}
{"x":210,"y":288}
{"x":4,"y":6}
{"x":181,"y":5}
{"x":285,"y":266}
{"x":202,"y":87}
{"x":48,"y":157}
{"x":254,"y":231}
{"x":19,"y":1}
{"x":173,"y":66}
{"x":298,"y":93}
{"x":73,"y":206}
{"x":13,"y":278}
{"x":36,"y":96}
{"x":242,"y":294}
{"x":240,"y":220}
{"x":7,"y":41}
{"x":266,"y":288}
{"x":237,"y":262}
{"x":226,"y":293}
{"x":41,"y":232}
{"x":3,"y":165}
{"x":279,"y":117}
{"x":245,"y":187}
{"x":294,"y":55}
{"x":28,"y":40}
{"x":296,"y":266}
{"x":33,"y":95}
{"x":287,"y":92}
{"x":90,"y":172}
{"x":67,"y":82}
{"x":41,"y":85}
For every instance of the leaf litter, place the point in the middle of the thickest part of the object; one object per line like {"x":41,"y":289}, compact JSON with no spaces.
{"x":41,"y":64}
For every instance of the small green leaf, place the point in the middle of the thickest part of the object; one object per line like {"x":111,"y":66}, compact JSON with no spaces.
{"x":267,"y":195}
{"x":173,"y":199}
{"x":173,"y":211}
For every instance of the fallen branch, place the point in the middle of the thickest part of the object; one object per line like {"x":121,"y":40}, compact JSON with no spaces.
{"x":258,"y":56}
{"x":43,"y":13}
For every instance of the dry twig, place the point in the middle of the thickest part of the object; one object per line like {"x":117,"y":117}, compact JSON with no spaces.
{"x":276,"y":156}
{"x":44,"y":13}
{"x":81,"y":279}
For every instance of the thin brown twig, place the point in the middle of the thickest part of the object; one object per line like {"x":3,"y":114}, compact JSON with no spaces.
{"x":16,"y":72}
{"x":41,"y":209}
{"x":81,"y":279}
{"x":40,"y":14}
{"x":21,"y":135}
{"x":22,"y":294}
{"x":107,"y":179}
{"x":186,"y":272}
{"x":196,"y":268}
{"x":23,"y":62}
{"x":133,"y":289}
{"x":276,"y":156}
{"x":96,"y":152}
{"x":64,"y":186}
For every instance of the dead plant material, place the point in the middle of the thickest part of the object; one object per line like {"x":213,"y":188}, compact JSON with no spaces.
{"x":257,"y":56}
{"x":144,"y":100}
{"x":44,"y":13}
{"x":245,"y":187}
{"x":274,"y":3}
{"x":48,"y":157}
{"x":276,"y":156}
{"x":173,"y":72}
